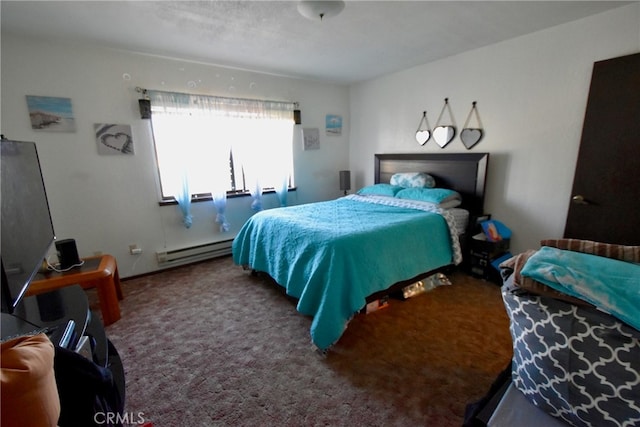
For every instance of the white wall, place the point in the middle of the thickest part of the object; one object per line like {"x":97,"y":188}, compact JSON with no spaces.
{"x":107,"y":203}
{"x":531,"y":93}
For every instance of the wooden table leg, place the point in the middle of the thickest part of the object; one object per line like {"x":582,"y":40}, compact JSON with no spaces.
{"x":116,"y":281}
{"x":108,"y":297}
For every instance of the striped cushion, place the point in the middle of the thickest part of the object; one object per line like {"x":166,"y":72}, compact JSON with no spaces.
{"x":608,"y":250}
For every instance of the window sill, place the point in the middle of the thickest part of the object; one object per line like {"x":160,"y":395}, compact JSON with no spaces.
{"x":196,"y":198}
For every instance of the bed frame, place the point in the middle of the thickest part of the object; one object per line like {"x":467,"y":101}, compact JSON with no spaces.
{"x":463,"y":172}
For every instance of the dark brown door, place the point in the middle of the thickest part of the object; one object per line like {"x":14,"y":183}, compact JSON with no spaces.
{"x":605,"y":200}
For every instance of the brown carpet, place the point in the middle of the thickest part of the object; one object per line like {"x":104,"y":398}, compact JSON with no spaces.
{"x":211,"y":345}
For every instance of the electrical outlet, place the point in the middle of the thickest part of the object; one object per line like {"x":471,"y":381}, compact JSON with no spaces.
{"x":134,"y":249}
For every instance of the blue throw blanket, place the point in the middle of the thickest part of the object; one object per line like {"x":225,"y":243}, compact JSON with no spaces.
{"x":611,"y":285}
{"x":332,"y":255}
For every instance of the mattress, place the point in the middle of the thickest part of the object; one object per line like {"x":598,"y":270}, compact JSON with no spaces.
{"x":460,"y":218}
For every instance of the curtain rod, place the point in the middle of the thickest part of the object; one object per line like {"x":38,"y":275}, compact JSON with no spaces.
{"x":144,"y":92}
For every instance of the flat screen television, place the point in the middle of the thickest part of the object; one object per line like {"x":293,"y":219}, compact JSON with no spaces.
{"x":27,"y":229}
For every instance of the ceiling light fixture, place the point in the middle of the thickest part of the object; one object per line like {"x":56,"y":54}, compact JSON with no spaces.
{"x":320,"y":10}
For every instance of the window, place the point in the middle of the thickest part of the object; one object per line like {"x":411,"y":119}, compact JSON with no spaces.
{"x":211,"y":145}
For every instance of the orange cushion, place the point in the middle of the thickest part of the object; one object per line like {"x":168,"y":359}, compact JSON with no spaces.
{"x":28,"y":388}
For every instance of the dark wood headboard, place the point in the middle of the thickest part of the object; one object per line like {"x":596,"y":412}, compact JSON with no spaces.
{"x":463,"y":172}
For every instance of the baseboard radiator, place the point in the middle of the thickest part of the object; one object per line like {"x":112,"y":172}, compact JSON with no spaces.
{"x":191,"y":254}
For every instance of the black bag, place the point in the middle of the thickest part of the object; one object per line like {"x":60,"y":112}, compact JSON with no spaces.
{"x":88,"y":394}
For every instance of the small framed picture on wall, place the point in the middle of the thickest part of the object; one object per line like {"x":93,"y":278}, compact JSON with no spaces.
{"x":311,"y":138}
{"x":113,"y":139}
{"x":49,"y":113}
{"x":333,"y":125}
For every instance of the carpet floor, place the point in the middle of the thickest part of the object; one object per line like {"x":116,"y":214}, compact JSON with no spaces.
{"x":211,"y":345}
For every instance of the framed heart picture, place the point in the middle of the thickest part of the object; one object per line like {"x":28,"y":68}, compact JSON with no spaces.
{"x":113,"y":139}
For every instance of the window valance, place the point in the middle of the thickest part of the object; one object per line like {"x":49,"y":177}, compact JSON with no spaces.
{"x":181,"y":103}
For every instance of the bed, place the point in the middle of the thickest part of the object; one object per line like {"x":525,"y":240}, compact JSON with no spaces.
{"x":336,"y":255}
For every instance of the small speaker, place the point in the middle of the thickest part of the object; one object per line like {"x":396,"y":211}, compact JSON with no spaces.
{"x":67,"y":253}
{"x":145,"y":108}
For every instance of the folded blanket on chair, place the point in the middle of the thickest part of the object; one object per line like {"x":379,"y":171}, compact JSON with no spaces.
{"x":611,"y":285}
{"x":514,"y":265}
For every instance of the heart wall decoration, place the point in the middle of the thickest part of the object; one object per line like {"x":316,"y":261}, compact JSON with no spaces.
{"x":422,"y":134}
{"x":113,"y":139}
{"x":444,"y":134}
{"x":471,"y":136}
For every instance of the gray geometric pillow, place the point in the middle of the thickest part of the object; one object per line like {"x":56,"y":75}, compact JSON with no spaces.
{"x":575,"y":363}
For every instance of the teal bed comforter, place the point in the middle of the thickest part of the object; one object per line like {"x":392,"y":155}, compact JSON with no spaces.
{"x":332,"y":255}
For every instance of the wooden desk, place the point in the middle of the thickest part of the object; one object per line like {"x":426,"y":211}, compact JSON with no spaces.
{"x":97,"y":272}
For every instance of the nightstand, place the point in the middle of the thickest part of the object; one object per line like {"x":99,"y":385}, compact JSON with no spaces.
{"x":482,"y":253}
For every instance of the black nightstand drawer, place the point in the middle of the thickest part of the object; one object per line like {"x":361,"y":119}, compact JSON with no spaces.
{"x":489,"y":249}
{"x":482,"y":253}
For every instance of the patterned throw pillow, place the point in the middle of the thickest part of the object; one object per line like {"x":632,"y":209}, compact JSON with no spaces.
{"x":413,"y":180}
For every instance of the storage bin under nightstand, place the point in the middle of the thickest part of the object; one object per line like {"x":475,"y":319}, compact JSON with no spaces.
{"x":482,"y":253}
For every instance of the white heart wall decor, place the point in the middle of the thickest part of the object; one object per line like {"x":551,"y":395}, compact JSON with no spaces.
{"x":443,"y":135}
{"x":422,"y":136}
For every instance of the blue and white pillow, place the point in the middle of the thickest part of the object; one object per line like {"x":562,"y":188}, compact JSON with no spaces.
{"x":413,"y":180}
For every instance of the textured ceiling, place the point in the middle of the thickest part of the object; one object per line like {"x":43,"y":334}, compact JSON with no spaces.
{"x":368,"y":39}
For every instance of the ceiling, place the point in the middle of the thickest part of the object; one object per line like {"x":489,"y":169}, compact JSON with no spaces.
{"x":368,"y":39}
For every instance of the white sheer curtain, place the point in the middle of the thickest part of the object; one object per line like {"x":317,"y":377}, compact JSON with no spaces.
{"x":265,"y":156}
{"x":220,"y":183}
{"x":194,"y":135}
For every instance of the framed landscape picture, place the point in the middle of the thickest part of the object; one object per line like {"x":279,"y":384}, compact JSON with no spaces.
{"x":48,"y":113}
{"x":333,"y":124}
